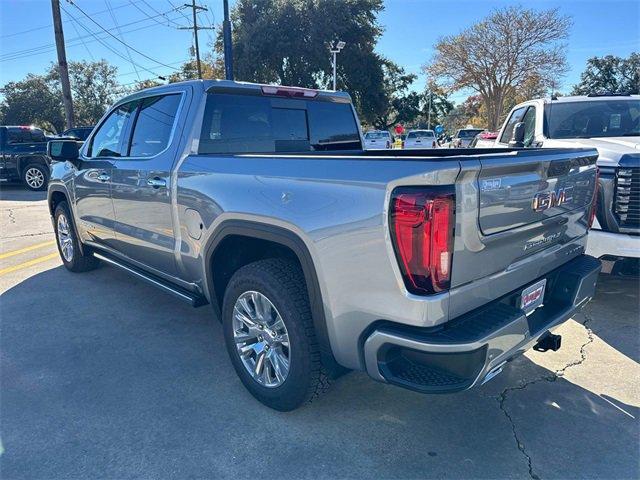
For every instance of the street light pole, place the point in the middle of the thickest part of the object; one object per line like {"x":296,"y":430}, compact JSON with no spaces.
{"x":335,"y":50}
{"x":429,"y":114}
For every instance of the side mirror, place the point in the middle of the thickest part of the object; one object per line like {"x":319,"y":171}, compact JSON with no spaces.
{"x":64,"y":150}
{"x":517,"y":139}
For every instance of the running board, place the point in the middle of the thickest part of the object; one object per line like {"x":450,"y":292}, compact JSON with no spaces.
{"x":191,"y":298}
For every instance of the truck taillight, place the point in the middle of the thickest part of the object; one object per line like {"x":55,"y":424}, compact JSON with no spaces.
{"x":594,"y":200}
{"x":421,"y":223}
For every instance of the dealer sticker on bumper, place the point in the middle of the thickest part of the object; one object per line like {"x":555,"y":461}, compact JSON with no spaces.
{"x":533,"y":296}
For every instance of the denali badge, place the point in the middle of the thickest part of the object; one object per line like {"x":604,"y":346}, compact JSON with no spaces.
{"x":545,"y":200}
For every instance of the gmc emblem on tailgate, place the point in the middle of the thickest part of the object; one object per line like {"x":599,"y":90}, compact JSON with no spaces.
{"x":545,"y":200}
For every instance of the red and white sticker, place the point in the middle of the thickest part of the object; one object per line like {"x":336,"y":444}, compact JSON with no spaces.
{"x":532,"y":297}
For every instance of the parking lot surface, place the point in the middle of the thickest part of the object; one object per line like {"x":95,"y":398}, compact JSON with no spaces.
{"x":104,"y":376}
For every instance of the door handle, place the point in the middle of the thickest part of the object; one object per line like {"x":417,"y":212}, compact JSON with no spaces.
{"x":103,"y":177}
{"x":156,"y":182}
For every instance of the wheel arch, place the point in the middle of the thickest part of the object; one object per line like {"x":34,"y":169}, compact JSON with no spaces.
{"x":55,"y":195}
{"x":280,"y":240}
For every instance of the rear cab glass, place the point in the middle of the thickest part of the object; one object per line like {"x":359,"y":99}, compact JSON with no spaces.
{"x":237,"y":123}
{"x":377,"y":136}
{"x":17,"y":135}
{"x":425,"y":134}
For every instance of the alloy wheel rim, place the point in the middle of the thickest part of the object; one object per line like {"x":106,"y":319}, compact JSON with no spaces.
{"x":64,"y":238}
{"x":261,"y":339}
{"x":34,"y":178}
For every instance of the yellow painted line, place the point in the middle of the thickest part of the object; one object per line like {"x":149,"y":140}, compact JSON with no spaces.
{"x":26,"y":249}
{"x":35,"y":261}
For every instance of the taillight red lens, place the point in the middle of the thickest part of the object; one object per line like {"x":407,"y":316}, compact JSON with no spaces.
{"x":594,"y":200}
{"x":422,"y":231}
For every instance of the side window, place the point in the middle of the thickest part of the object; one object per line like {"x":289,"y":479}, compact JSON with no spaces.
{"x":529,"y":120}
{"x":14,"y":136}
{"x":107,"y":142}
{"x":153,"y":126}
{"x":516,"y":117}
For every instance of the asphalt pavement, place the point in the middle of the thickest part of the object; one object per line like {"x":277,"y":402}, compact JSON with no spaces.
{"x":103,"y":376}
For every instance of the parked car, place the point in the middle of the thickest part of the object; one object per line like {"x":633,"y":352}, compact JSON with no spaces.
{"x":317,"y":256}
{"x":420,"y":139}
{"x":484,"y":140}
{"x":79,"y":133}
{"x":611,"y":124}
{"x":23,"y":152}
{"x":377,"y":140}
{"x":463,"y":137}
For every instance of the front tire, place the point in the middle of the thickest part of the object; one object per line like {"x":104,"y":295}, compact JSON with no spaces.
{"x":35,"y":176}
{"x":270,"y":336}
{"x":73,"y":258}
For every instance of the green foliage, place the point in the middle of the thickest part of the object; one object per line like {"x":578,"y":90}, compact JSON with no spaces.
{"x":498,"y":55}
{"x":38,"y":98}
{"x":286,"y":42}
{"x":610,"y":74}
{"x":32,"y":101}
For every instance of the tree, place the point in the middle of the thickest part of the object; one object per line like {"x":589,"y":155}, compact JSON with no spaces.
{"x":498,"y":55}
{"x":402,"y":106}
{"x":440,"y":105}
{"x":610,"y":74}
{"x":93,"y":85}
{"x":470,"y":112}
{"x":286,"y":42}
{"x":211,"y":68}
{"x":35,"y":100}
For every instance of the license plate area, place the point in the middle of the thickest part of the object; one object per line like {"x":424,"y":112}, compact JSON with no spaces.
{"x":532,"y":297}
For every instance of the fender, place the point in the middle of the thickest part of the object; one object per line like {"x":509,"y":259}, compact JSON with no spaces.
{"x":58,"y":188}
{"x":288,"y":239}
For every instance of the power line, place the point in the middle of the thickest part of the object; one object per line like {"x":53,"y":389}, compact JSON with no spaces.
{"x":106,"y":45}
{"x":50,"y":25}
{"x":147,"y":4}
{"x":151,"y":17}
{"x":47,"y":47}
{"x":116,"y":38}
{"x":75,"y":29}
{"x":115,"y":22}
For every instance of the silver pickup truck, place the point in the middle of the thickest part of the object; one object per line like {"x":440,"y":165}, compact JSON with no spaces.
{"x":428,"y":269}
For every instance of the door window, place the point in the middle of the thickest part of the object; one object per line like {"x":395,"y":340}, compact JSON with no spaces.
{"x":107,"y":141}
{"x":515,"y":117}
{"x":153,"y":126}
{"x":529,"y":121}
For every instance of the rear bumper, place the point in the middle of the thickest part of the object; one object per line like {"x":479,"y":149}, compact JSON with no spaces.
{"x":601,"y":243}
{"x":472,"y":348}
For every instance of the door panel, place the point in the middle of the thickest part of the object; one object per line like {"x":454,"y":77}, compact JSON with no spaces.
{"x":141,"y":186}
{"x":92,"y":181}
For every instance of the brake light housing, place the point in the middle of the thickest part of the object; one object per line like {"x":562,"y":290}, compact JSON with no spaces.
{"x":421,"y":220}
{"x":291,"y":92}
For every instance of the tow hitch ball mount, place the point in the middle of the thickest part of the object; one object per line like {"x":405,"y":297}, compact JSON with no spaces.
{"x":548,"y":342}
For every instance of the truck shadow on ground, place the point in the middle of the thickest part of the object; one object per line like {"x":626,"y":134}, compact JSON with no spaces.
{"x":19,"y":193}
{"x":103,"y":375}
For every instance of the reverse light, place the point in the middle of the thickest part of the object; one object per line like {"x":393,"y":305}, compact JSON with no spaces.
{"x":421,"y":223}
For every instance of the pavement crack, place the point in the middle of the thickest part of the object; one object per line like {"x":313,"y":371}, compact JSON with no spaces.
{"x":12,"y":218}
{"x":502,"y":398}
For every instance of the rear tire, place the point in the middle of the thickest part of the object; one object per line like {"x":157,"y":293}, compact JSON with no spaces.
{"x":282,"y":283}
{"x":35,"y":176}
{"x":73,"y":258}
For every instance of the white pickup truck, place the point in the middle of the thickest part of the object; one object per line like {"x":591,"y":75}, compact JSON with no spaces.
{"x":611,"y":124}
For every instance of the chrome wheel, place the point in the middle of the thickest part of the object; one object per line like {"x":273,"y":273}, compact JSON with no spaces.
{"x":34,"y":177}
{"x":261,"y":339}
{"x":65,"y":240}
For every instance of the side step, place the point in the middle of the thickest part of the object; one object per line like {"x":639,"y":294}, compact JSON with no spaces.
{"x":191,"y":298}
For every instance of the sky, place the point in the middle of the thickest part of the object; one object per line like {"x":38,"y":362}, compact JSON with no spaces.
{"x":411,"y":28}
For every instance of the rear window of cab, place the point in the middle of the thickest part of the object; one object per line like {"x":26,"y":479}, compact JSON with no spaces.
{"x":259,"y":124}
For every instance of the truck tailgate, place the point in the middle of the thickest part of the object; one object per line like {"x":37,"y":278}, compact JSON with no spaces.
{"x":527,"y":208}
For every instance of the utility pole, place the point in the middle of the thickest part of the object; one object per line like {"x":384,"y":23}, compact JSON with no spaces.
{"x":228,"y":48}
{"x":194,"y":8}
{"x":62,"y":63}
